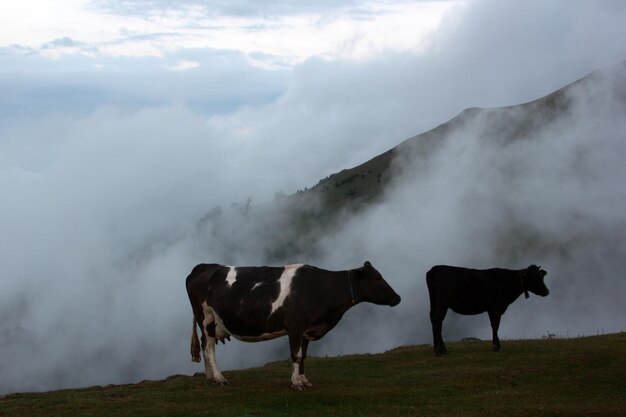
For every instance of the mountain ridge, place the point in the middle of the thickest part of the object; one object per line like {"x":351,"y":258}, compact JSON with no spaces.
{"x":292,"y":225}
{"x":552,"y":104}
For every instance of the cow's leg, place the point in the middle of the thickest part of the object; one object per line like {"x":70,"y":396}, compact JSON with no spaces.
{"x":305,"y":346}
{"x":210,"y":363}
{"x":296,"y":345}
{"x":208,"y":348}
{"x":494,"y":318}
{"x":436,"y":318}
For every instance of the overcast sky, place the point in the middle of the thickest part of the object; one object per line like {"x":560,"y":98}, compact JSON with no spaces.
{"x":123,"y":123}
{"x":271,"y":34}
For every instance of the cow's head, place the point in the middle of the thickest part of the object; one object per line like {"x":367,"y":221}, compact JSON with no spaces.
{"x":372,"y":287}
{"x":533,"y":280}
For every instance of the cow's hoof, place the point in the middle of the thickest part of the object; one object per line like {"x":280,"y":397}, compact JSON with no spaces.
{"x":305,"y":382}
{"x":497,"y":348}
{"x":298,"y":387}
{"x":221,"y":381}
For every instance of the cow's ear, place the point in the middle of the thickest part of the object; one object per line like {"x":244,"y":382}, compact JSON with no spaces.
{"x":368,"y":264}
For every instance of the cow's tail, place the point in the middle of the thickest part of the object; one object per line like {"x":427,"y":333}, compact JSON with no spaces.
{"x":195,"y":343}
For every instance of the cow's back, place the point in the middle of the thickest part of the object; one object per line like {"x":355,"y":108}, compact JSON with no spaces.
{"x":201,"y":273}
{"x":220,"y":284}
{"x":464,"y":290}
{"x":444,"y":278}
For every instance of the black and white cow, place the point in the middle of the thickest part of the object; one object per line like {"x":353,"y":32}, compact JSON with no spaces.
{"x":474,"y":291}
{"x":262,"y":303}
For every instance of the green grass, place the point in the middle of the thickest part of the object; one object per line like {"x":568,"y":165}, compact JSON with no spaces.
{"x":548,"y":377}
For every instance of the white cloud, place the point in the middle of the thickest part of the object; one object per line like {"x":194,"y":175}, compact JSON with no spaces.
{"x":155,"y":29}
{"x":182,"y":66}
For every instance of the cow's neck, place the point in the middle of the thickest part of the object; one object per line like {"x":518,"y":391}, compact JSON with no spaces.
{"x":351,"y":288}
{"x":522,"y":276}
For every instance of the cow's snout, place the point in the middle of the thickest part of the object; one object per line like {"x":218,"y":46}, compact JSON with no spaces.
{"x":396,"y":301}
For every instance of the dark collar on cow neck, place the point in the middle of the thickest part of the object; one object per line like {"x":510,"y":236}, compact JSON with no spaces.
{"x":521,"y":279}
{"x":350,"y":286}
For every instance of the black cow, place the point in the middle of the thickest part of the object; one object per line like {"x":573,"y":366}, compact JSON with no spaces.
{"x":474,"y":291}
{"x":262,"y":303}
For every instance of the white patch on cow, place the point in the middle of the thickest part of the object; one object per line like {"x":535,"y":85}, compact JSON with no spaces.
{"x":231,"y":277}
{"x":285,"y":285}
{"x":295,"y":375}
{"x":208,"y":316}
{"x":220,"y":323}
{"x":258,"y":284}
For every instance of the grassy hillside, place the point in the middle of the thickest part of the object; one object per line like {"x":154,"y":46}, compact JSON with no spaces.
{"x":355,"y":187}
{"x":548,"y":377}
